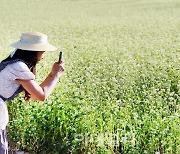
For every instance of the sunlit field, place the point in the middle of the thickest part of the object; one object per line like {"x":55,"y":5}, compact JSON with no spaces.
{"x":121,"y":89}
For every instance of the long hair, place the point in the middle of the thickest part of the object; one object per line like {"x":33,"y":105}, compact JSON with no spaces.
{"x":30,"y":58}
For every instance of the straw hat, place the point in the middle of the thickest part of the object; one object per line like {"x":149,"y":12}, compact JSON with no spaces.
{"x":34,"y":41}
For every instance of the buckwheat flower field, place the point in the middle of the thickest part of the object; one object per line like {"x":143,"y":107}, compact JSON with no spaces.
{"x":121,"y":89}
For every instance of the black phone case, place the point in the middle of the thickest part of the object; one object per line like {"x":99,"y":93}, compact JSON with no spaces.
{"x":60,"y":56}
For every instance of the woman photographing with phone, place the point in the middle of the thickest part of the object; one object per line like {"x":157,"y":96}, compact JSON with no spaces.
{"x":17,"y":74}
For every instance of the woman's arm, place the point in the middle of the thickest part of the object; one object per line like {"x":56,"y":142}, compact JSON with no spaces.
{"x":42,"y":91}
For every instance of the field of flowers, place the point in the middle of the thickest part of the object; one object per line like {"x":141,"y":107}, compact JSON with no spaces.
{"x":121,"y":90}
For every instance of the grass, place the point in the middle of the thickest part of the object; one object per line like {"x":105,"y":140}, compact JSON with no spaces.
{"x":122,"y":76}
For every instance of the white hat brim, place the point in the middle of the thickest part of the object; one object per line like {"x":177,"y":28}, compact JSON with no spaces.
{"x":33,"y":46}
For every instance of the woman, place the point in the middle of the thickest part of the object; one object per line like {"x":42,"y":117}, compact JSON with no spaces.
{"x":17,"y":74}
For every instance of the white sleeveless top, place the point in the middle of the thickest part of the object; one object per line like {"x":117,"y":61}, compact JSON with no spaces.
{"x":9,"y":85}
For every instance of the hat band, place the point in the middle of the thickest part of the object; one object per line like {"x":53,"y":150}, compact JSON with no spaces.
{"x":41,"y":40}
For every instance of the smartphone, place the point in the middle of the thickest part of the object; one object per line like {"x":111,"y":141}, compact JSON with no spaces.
{"x":60,"y":56}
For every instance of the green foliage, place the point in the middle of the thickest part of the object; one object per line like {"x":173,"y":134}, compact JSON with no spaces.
{"x":122,"y":76}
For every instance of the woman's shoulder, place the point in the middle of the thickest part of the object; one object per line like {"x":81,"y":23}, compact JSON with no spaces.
{"x":19,"y":70}
{"x":19,"y":66}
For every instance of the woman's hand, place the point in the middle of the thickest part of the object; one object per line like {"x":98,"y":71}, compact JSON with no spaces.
{"x":58,"y":69}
